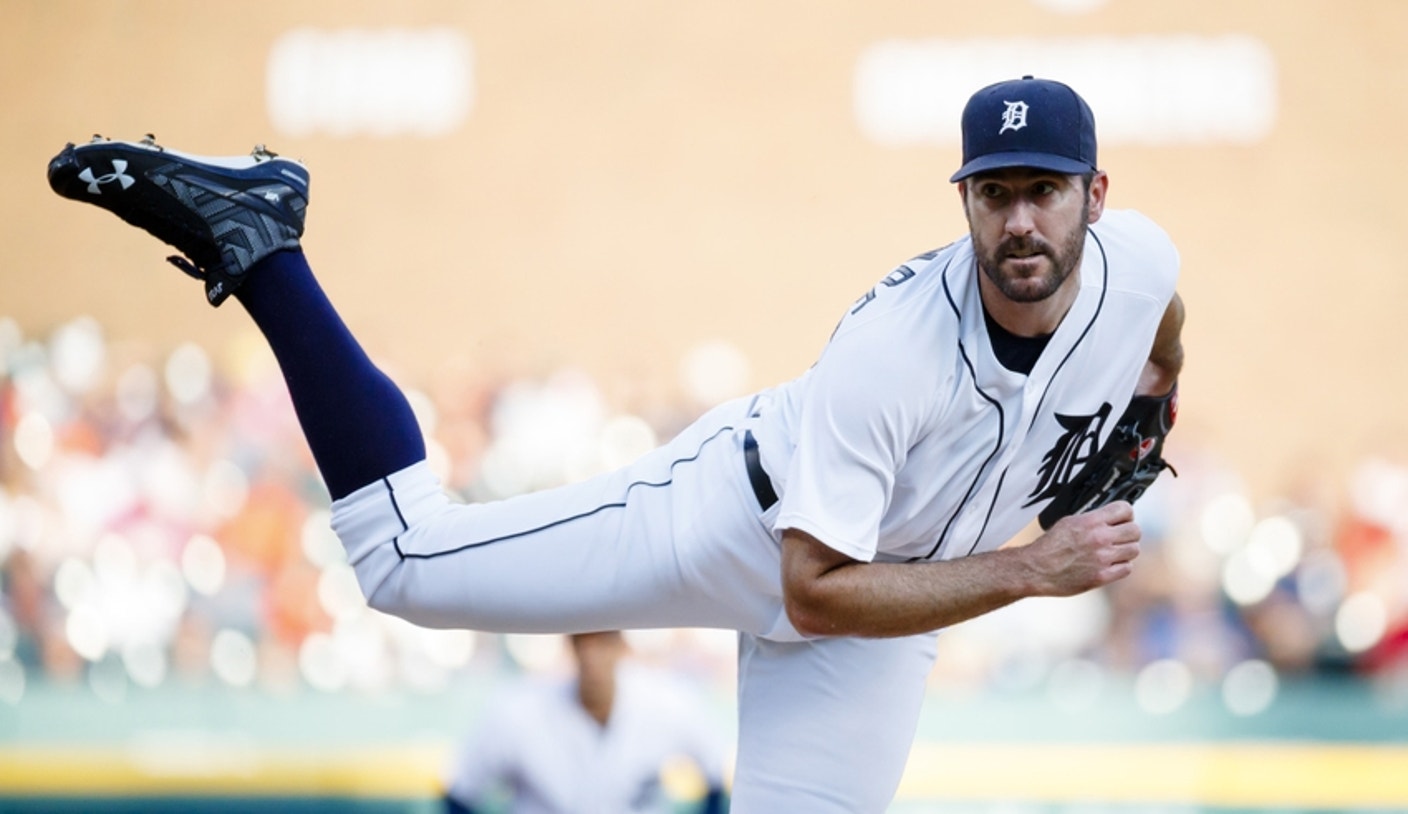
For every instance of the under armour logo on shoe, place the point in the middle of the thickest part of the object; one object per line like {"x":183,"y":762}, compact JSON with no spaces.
{"x":118,"y":174}
{"x":1014,"y":117}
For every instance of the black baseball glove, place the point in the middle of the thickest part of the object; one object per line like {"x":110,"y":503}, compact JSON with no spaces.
{"x":1126,"y":465}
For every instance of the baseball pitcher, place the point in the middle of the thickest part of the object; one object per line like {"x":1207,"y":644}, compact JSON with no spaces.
{"x":837,"y":521}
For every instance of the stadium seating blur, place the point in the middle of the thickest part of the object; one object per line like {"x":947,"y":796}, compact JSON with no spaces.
{"x":161,"y":521}
{"x":598,"y":190}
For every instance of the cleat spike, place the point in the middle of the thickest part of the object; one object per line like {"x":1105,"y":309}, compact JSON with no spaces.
{"x":186,"y":266}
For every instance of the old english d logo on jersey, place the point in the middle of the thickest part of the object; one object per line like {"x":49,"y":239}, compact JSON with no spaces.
{"x":1079,"y":442}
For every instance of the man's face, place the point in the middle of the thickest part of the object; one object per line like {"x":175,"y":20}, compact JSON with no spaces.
{"x":1029,"y":226}
{"x":597,"y":654}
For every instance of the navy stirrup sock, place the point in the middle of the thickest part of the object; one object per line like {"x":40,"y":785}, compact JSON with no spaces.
{"x":357,"y":422}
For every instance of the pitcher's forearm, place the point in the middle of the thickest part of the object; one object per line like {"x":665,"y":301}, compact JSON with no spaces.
{"x":880,"y":600}
{"x":829,"y":594}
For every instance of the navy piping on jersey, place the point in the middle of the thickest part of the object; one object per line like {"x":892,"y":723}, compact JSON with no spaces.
{"x":1099,"y":307}
{"x":992,"y":506}
{"x":1001,"y":425}
{"x":395,"y":504}
{"x":614,"y":505}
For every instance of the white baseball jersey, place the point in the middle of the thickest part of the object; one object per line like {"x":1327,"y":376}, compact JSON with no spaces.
{"x":907,"y":440}
{"x":539,"y":744}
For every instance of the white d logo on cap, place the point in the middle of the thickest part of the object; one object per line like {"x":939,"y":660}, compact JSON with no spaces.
{"x":1014,"y":117}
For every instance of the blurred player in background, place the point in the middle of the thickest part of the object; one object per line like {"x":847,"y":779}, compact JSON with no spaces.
{"x":596,"y":742}
{"x":836,"y":521}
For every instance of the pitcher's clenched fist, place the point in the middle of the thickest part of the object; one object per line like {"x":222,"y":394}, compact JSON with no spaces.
{"x":1084,"y":551}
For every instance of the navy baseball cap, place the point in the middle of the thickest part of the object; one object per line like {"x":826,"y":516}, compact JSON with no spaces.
{"x":1027,"y":123}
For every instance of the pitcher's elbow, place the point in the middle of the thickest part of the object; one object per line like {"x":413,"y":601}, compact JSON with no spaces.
{"x":809,"y":617}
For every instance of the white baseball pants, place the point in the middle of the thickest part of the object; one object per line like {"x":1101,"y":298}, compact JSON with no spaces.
{"x":676,"y":539}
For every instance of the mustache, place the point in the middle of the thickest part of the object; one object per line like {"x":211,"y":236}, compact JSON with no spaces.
{"x":1023,"y":246}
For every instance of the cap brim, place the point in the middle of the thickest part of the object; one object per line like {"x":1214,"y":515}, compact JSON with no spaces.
{"x":1036,"y":161}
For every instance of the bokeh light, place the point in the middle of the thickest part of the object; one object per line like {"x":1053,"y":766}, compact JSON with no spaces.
{"x":233,"y":658}
{"x":73,"y":582}
{"x":1361,"y":621}
{"x":318,"y":540}
{"x":625,"y":438}
{"x":360,"y":650}
{"x":715,"y":371}
{"x":138,"y":393}
{"x":1250,"y":687}
{"x":203,"y":564}
{"x":1321,"y":582}
{"x":188,"y":373}
{"x":320,"y":664}
{"x":1162,"y":687}
{"x":1246,"y":578}
{"x":1226,"y":521}
{"x":146,"y":663}
{"x":338,"y":592}
{"x":537,"y":653}
{"x":77,"y":353}
{"x":1278,"y":542}
{"x":87,"y":632}
{"x":451,"y":649}
{"x":226,"y":488}
{"x":34,"y":440}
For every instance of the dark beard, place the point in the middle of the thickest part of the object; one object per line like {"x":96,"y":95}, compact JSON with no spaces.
{"x":1063,"y":261}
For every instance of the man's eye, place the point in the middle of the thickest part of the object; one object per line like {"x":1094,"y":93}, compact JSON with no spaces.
{"x":1044,"y":188}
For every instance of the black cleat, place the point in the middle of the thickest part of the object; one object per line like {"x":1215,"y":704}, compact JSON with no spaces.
{"x":223,"y":214}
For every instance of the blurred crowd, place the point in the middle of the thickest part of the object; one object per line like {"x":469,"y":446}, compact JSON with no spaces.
{"x":161,"y":521}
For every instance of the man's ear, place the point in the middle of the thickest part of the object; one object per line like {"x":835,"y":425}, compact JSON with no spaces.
{"x":1099,"y":186}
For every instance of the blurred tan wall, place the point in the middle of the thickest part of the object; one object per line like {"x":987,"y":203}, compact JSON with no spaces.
{"x":634,"y":177}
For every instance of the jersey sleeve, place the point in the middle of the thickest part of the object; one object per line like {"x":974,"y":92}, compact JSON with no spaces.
{"x":1155,"y":275}
{"x":866,"y":406}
